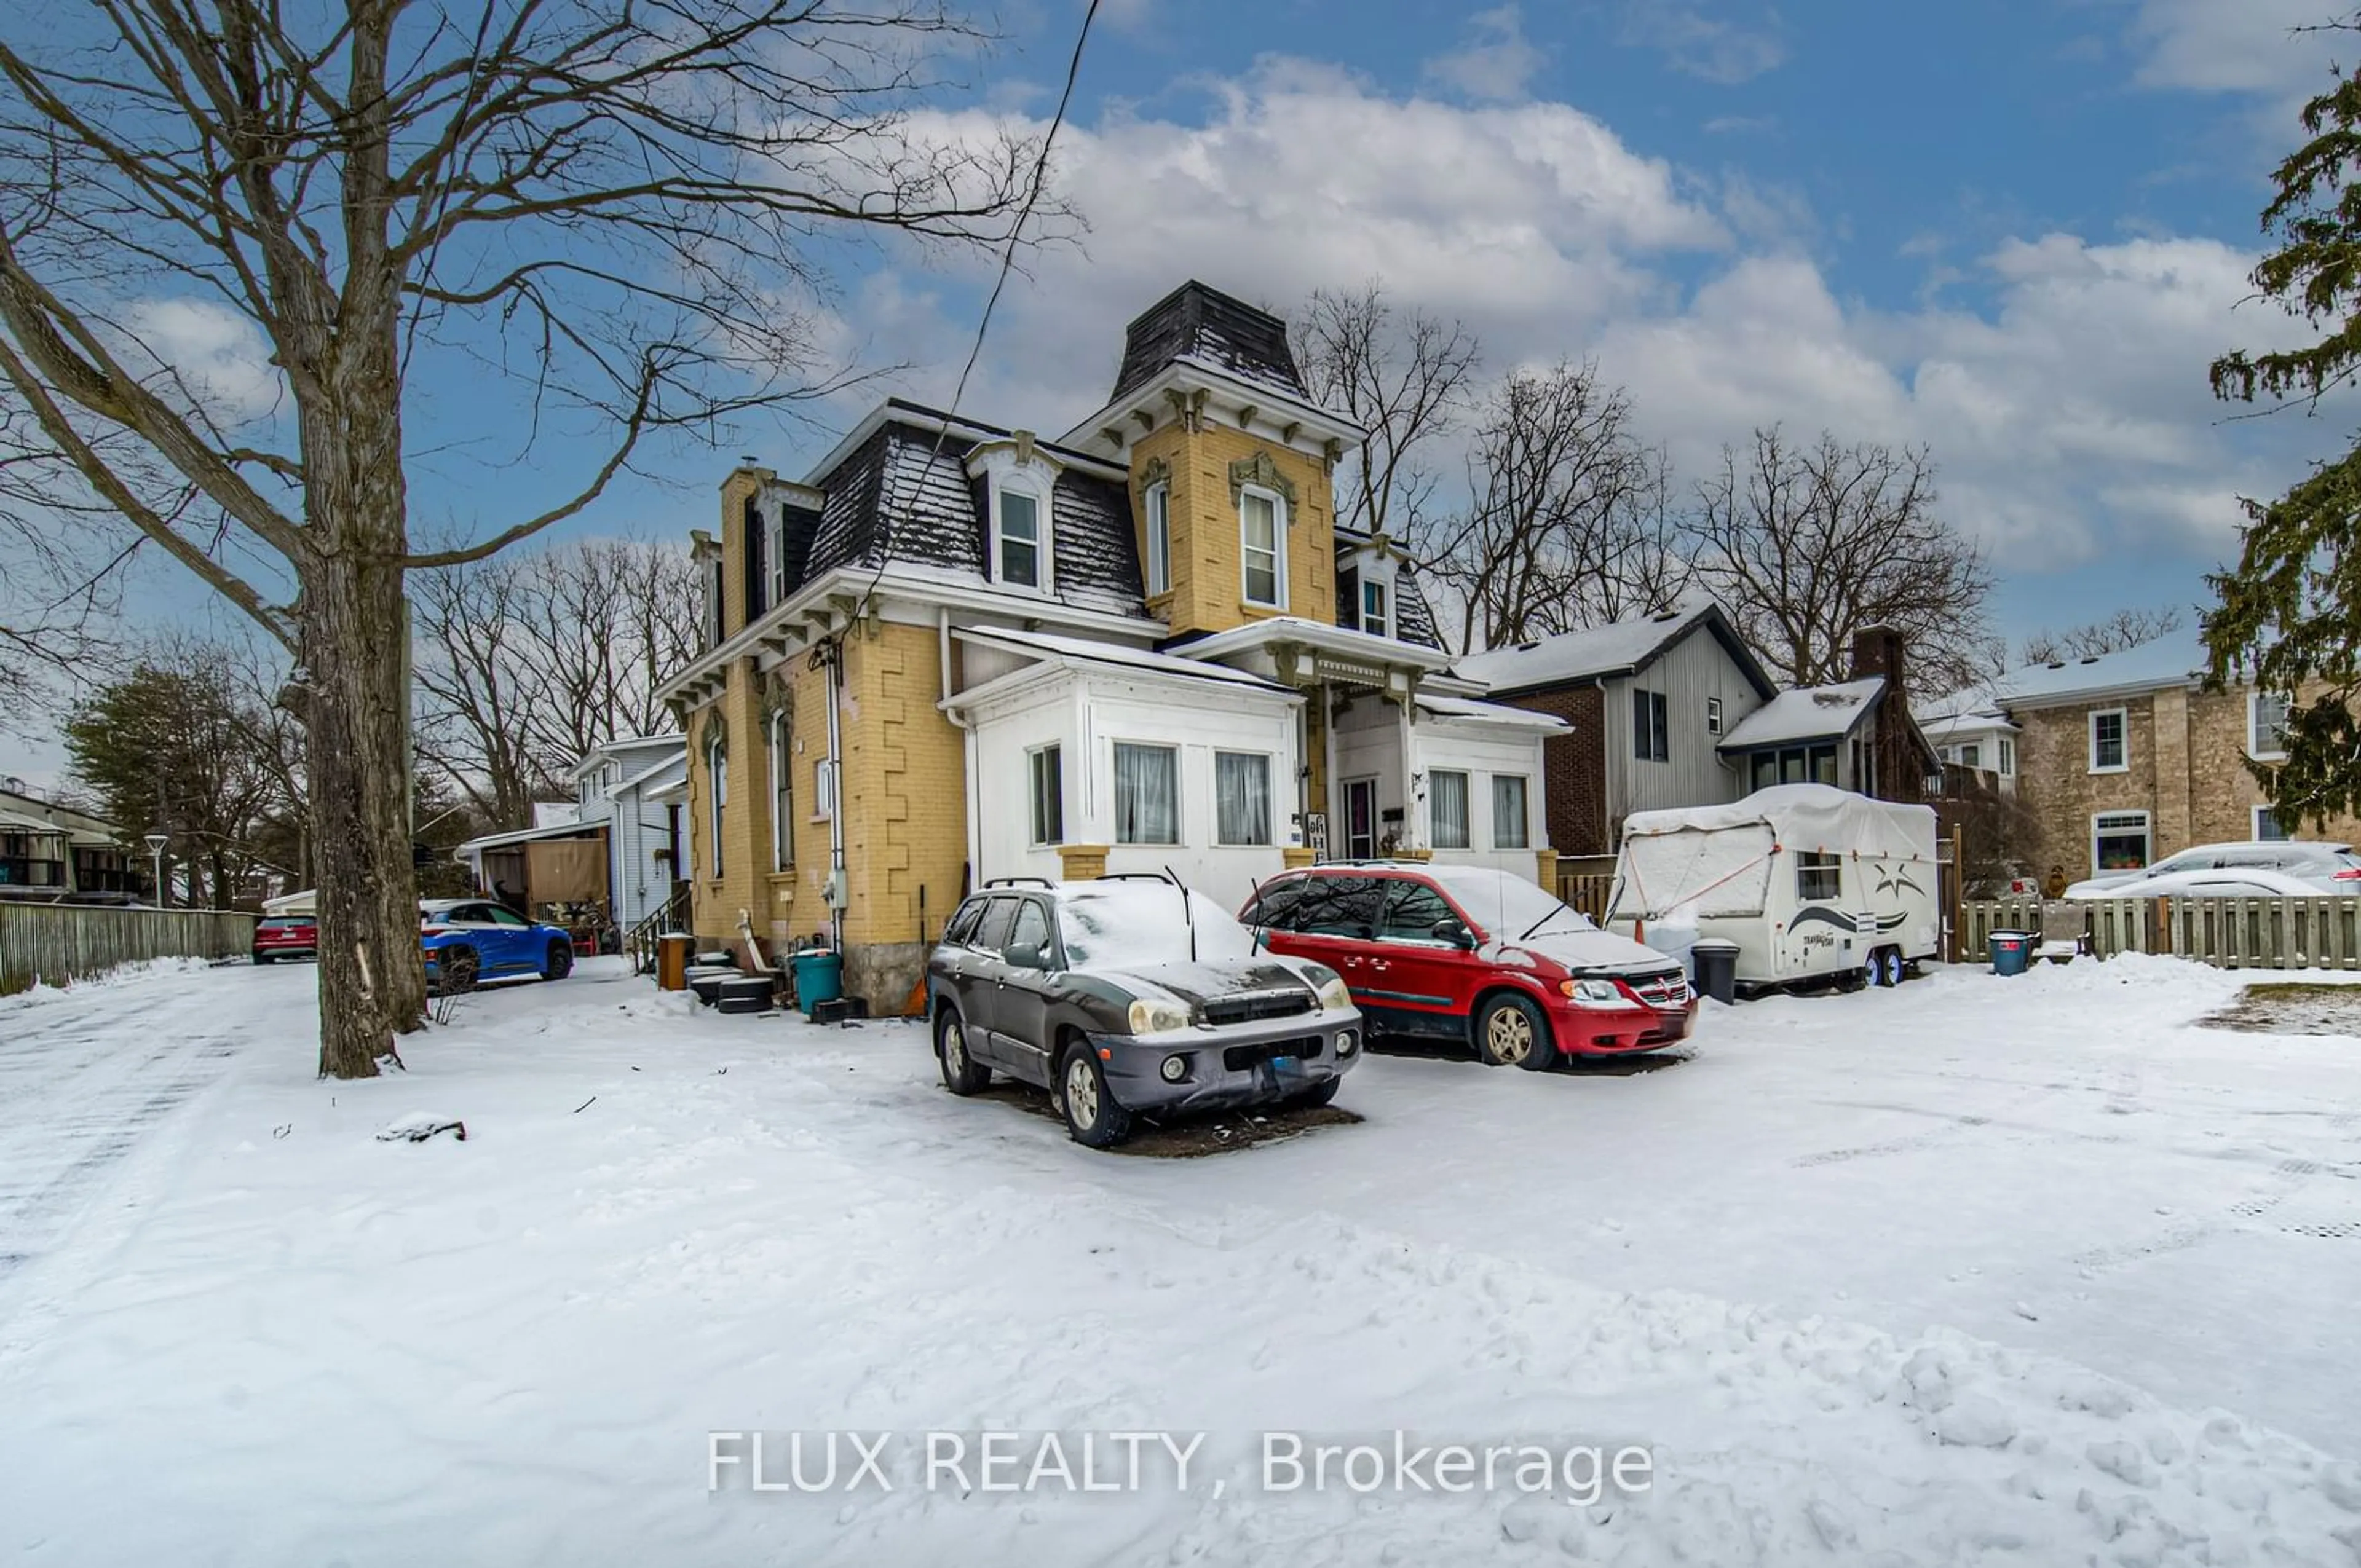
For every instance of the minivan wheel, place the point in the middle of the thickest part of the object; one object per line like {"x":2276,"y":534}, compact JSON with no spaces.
{"x":962,"y":1074}
{"x":1091,"y":1115}
{"x":1511,"y":1032}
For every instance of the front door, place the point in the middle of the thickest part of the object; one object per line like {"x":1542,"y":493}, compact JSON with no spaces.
{"x":1360,"y":819}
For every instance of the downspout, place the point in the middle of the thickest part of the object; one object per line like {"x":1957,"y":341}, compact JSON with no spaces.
{"x":969,"y":787}
{"x":836,"y":874}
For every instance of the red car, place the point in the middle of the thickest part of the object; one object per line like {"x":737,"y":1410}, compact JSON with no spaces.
{"x":1470,"y":954}
{"x":286,"y":936}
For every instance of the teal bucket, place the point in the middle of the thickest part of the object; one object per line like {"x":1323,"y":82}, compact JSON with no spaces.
{"x":2010,"y":951}
{"x":819,"y":977}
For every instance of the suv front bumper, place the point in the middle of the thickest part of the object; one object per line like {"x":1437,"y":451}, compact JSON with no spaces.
{"x":1231,"y":1064}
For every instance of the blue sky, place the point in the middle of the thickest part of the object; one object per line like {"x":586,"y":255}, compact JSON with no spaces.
{"x":2015,"y":231}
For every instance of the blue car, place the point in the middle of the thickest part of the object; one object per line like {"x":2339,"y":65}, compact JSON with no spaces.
{"x":468,"y":939}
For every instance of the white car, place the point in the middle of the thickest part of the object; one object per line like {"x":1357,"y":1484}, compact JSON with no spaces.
{"x":2224,"y":881}
{"x":2332,"y":867}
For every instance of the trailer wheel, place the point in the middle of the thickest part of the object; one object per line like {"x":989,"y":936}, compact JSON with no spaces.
{"x":1893,"y":969}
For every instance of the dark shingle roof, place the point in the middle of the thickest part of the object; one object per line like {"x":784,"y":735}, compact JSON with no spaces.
{"x":899,"y":498}
{"x":1413,"y":618}
{"x":1205,"y":324}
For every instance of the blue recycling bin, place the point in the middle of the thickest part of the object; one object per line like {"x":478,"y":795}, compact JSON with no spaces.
{"x":2010,"y":951}
{"x":819,"y":977}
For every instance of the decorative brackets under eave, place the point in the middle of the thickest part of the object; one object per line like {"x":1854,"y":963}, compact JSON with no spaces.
{"x":1260,"y":471}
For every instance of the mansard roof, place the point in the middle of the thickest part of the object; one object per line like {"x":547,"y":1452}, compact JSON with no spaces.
{"x":1195,"y":321}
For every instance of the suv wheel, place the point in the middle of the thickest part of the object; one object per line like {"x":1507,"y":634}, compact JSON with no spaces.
{"x":1321,"y":1093}
{"x":561,"y":961}
{"x":1091,"y":1115}
{"x":962,"y":1072}
{"x":1511,"y":1032}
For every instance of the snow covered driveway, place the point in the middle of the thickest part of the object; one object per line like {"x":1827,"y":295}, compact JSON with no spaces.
{"x":1975,"y":1271}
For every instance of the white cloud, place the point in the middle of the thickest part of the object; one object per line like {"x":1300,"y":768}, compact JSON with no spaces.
{"x":2068,"y":407}
{"x":1708,"y":46}
{"x":220,"y":355}
{"x":2249,"y":46}
{"x":1497,"y":61}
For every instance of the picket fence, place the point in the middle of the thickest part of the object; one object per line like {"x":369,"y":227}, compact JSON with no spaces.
{"x":2228,"y":933}
{"x":59,"y":943}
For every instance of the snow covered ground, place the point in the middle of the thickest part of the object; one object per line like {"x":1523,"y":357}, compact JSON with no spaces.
{"x":1976,"y":1271}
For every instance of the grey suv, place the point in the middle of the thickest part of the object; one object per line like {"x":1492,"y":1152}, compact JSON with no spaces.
{"x":1131,"y":996}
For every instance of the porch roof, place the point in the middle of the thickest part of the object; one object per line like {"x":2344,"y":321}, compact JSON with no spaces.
{"x":527,"y":835}
{"x":1465,"y":711}
{"x":1068,"y":650}
{"x":15,"y":823}
{"x":1807,"y":713}
{"x":1338,"y":645}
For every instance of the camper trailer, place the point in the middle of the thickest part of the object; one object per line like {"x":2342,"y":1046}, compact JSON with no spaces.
{"x":1812,"y":882}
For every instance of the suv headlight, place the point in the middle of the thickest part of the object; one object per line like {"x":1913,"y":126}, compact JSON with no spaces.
{"x":1334,"y":995}
{"x":1156,"y":1017}
{"x":1592,"y":993}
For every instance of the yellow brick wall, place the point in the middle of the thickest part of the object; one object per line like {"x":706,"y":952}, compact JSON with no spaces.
{"x":1208,"y":590}
{"x":744,"y":828}
{"x":905,"y":784}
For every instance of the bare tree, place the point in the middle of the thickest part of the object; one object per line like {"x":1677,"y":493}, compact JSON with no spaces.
{"x":1569,"y":521}
{"x":525,"y":663}
{"x":1805,"y":546}
{"x":1401,"y":379}
{"x":2112,"y":634}
{"x":602,"y":213}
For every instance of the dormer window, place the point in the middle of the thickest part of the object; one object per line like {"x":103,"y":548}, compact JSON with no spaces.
{"x":1377,"y":618}
{"x":1019,"y":478}
{"x":1262,"y":527}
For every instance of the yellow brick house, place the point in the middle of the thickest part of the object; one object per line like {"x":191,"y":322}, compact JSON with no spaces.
{"x":956,"y":652}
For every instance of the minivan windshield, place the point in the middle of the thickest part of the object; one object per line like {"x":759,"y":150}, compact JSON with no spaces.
{"x":1506,"y":906}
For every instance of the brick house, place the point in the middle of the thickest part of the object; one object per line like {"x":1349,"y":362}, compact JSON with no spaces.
{"x":956,"y":651}
{"x":1650,"y":701}
{"x":2126,"y":758}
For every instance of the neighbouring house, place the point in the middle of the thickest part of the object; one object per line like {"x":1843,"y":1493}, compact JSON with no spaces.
{"x":2126,"y":758}
{"x":52,"y":854}
{"x":1649,"y":703}
{"x":956,"y":651}
{"x":1856,"y":734}
{"x":1971,"y":729}
{"x":616,"y":845}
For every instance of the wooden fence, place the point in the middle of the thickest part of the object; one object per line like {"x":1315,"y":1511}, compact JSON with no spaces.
{"x":63,"y":942}
{"x":1585,"y":891}
{"x":2228,"y":933}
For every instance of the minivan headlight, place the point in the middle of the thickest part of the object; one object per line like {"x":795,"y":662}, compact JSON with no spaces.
{"x":1334,"y":995}
{"x":1155,"y":1017}
{"x":1592,"y":993}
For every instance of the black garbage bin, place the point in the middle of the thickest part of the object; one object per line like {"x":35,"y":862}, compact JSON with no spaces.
{"x":1713,"y":968}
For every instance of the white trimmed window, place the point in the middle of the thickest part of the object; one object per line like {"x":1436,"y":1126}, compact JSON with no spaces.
{"x":2007,"y":758}
{"x":1262,"y":530}
{"x":1509,"y":827}
{"x":1046,"y":766}
{"x":2266,"y":719}
{"x":1377,"y":610}
{"x":1020,"y":537}
{"x":1241,"y":797}
{"x":717,"y":795}
{"x":1447,"y":809}
{"x":1157,"y":505}
{"x":782,"y":795}
{"x":2110,"y":748}
{"x":1147,"y":794}
{"x":824,"y":788}
{"x":1713,"y":716}
{"x":777,"y":557}
{"x":2267,"y":827}
{"x":2120,"y":841}
{"x":1972,"y":755}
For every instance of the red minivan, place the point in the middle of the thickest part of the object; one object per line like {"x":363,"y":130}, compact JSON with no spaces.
{"x":1472,"y":954}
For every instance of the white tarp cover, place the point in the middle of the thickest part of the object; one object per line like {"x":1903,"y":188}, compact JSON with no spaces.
{"x":1718,"y":856}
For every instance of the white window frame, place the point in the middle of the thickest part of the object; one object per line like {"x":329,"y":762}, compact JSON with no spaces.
{"x":1044,"y":555}
{"x":2148,"y":826}
{"x":1971,"y":754}
{"x":823,"y":788}
{"x":782,"y":794}
{"x":2253,"y":734}
{"x":775,"y":558}
{"x":1270,"y":800}
{"x":717,"y":795}
{"x":1180,"y":796}
{"x":1466,"y":824}
{"x":2008,"y":756}
{"x":2260,"y":818}
{"x":1279,"y":521}
{"x":1156,"y":523}
{"x":1713,"y":716}
{"x":2123,"y":730}
{"x":1384,"y":619}
{"x":1033,"y":800}
{"x":1524,"y":819}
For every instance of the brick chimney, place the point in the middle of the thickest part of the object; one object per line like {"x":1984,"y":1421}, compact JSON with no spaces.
{"x":1879,"y":651}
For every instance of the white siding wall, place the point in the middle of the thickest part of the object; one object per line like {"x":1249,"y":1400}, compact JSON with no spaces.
{"x":1087,"y":715}
{"x":1369,"y":745}
{"x":1696,"y":669}
{"x":1482,"y":751}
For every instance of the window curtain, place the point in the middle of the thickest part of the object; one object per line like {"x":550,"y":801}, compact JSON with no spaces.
{"x":1146,"y":794}
{"x":1242,"y":791}
{"x":1449,"y":800}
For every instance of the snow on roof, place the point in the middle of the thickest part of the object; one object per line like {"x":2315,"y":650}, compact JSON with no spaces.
{"x":529,"y":834}
{"x":2174,"y":659}
{"x":1113,"y":654}
{"x":22,"y":824}
{"x":1489,"y":712}
{"x":1607,"y":650}
{"x":1807,"y":713}
{"x":1818,"y":817}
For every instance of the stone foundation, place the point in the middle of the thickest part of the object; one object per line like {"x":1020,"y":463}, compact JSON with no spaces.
{"x":884,"y":974}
